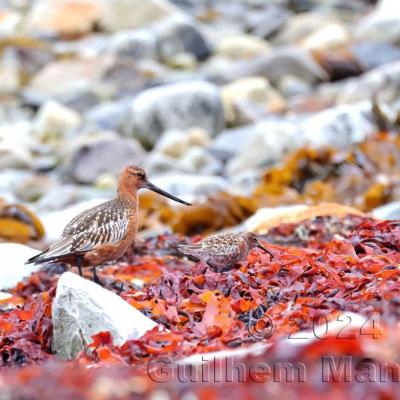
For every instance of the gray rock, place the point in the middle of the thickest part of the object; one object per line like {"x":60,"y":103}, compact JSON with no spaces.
{"x":291,"y":86}
{"x":267,"y":21}
{"x":199,"y":161}
{"x":273,"y":66}
{"x":387,"y":211}
{"x":375,"y":54}
{"x":13,"y":257}
{"x":108,"y":115}
{"x":158,"y":164}
{"x":103,"y":154}
{"x":181,"y":35}
{"x":175,"y":106}
{"x":135,"y":44}
{"x":230,"y":142}
{"x":82,"y":309}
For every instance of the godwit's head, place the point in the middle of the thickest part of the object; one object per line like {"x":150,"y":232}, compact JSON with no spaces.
{"x":134,"y":178}
{"x":253,"y":241}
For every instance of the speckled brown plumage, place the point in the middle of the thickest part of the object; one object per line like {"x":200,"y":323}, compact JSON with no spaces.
{"x":223,"y":250}
{"x":105,"y":232}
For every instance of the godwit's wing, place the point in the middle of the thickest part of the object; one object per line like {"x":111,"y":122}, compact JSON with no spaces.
{"x":106,"y":223}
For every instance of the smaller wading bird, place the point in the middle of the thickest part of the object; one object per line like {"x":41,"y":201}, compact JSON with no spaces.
{"x":223,"y":250}
{"x":105,"y":232}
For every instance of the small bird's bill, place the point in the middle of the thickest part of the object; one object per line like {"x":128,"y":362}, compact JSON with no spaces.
{"x":156,"y":189}
{"x":260,"y":246}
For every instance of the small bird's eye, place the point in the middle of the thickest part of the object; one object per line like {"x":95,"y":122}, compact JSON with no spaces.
{"x":140,"y":175}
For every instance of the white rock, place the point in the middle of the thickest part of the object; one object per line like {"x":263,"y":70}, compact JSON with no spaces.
{"x":264,"y":214}
{"x":82,"y":309}
{"x":5,"y":296}
{"x":387,"y":211}
{"x":9,"y":72}
{"x":271,"y":141}
{"x":339,"y":126}
{"x":241,"y":47}
{"x":118,"y":15}
{"x":13,"y":269}
{"x":300,"y":26}
{"x":253,"y":90}
{"x":175,"y":143}
{"x":54,"y":120}
{"x":382,"y":24}
{"x":9,"y":21}
{"x":329,"y":37}
{"x":15,"y":143}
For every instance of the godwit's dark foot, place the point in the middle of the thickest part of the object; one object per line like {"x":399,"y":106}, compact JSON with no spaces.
{"x":95,"y":277}
{"x":79,"y":265}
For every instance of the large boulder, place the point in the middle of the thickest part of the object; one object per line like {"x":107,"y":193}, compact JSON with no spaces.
{"x":175,"y":106}
{"x":82,"y":309}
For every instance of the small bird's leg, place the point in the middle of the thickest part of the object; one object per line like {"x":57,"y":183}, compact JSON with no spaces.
{"x":95,"y":277}
{"x":79,"y":265}
{"x":120,"y":289}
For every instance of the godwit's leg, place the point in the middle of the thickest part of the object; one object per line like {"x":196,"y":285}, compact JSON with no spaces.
{"x":95,"y":277}
{"x":79,"y":265}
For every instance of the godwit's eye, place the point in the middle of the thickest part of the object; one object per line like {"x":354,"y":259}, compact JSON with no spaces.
{"x":140,"y":175}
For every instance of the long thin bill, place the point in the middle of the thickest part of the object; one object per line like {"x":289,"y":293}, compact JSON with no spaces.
{"x":260,"y":246}
{"x":156,"y":189}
